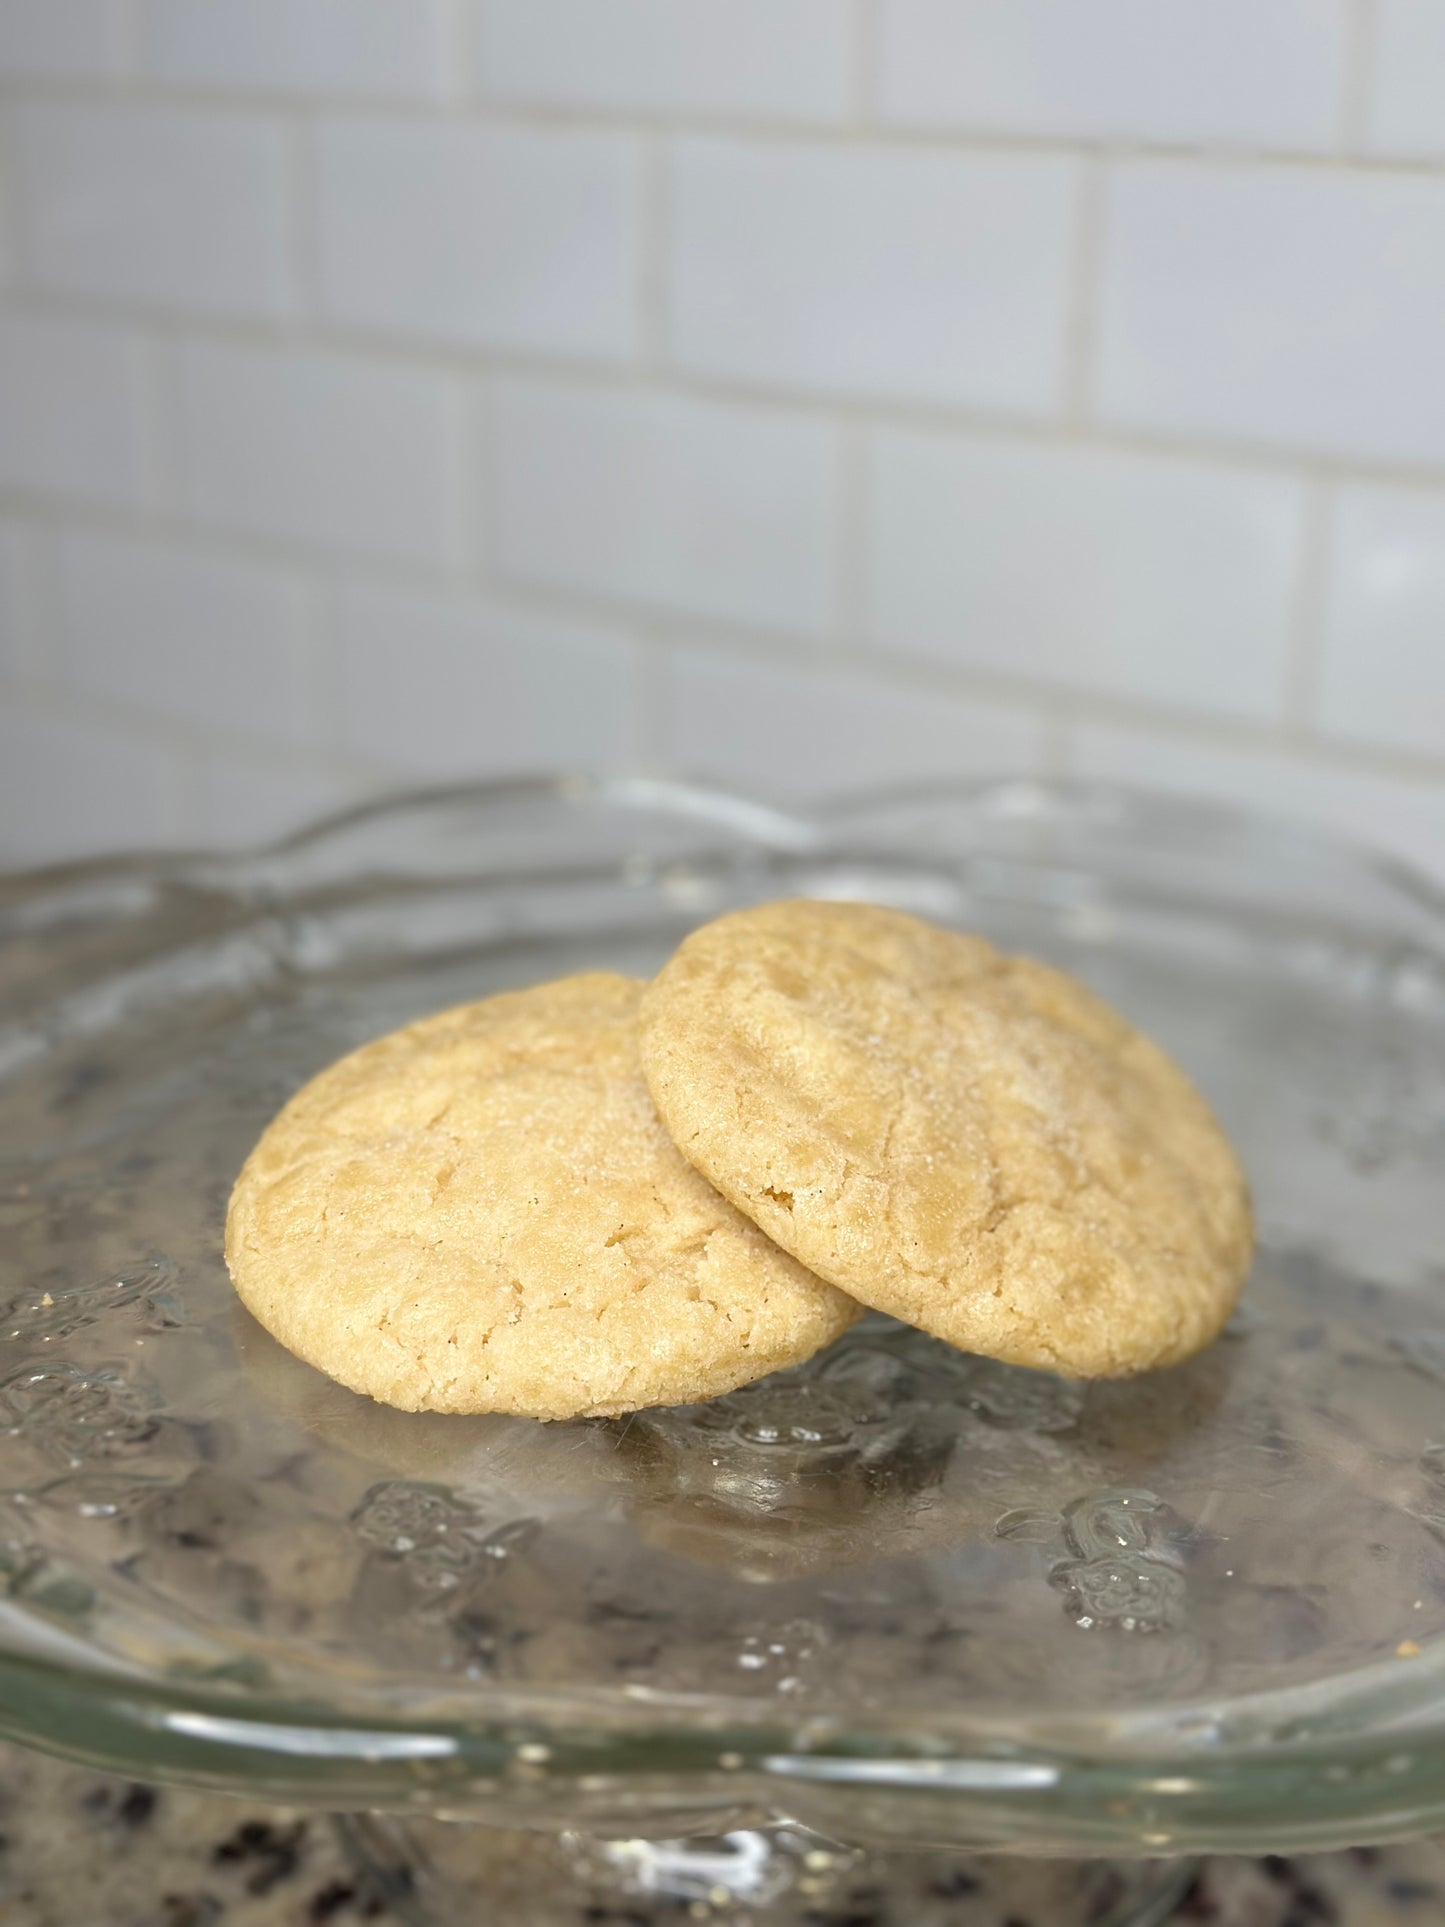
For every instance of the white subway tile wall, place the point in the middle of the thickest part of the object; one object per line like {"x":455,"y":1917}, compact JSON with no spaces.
{"x":1407,"y":100}
{"x":326,"y":49}
{"x":12,"y":604}
{"x":1257,"y":73}
{"x":1289,"y":307}
{"x":75,"y":416}
{"x":163,"y":207}
{"x":321,"y":450}
{"x":757,"y":59}
{"x":437,"y":686}
{"x":802,"y":394}
{"x":793,"y":732}
{"x":76,"y":39}
{"x":177,"y":633}
{"x":486,"y":237}
{"x":1140,"y":576}
{"x":71,"y":784}
{"x":1382,"y":675}
{"x":1369,"y":810}
{"x":911,"y":275}
{"x":662,"y":501}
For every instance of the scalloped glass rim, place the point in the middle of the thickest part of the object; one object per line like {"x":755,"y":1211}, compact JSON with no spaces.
{"x":1360,"y":1757}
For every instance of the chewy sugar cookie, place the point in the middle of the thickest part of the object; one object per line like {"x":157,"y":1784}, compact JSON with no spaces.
{"x":482,"y":1213}
{"x":970,"y":1141}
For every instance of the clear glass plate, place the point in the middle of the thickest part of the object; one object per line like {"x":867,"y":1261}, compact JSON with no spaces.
{"x":899,"y":1595}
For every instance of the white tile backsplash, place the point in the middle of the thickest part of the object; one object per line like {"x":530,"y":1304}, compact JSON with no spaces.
{"x":1139,"y":576}
{"x":332,"y":49}
{"x":1382,"y":672}
{"x":338,"y":452}
{"x":196,"y":638}
{"x":764,"y":59}
{"x":920,"y":275}
{"x":807,"y":393}
{"x":1260,"y":73}
{"x":160,"y":205}
{"x":923,"y":276}
{"x":788,"y":731}
{"x":60,"y":39}
{"x":709,"y":509}
{"x":1389,"y":814}
{"x":73,"y":419}
{"x":1406,"y":109}
{"x":76,"y":787}
{"x":484,"y":237}
{"x":440,"y":686}
{"x":1299,"y":307}
{"x":12,"y":601}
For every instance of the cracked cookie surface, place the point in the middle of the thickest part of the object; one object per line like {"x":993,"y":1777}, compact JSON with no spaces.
{"x":973,"y":1142}
{"x":482,"y":1213}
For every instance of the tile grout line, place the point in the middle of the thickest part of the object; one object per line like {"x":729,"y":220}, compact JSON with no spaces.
{"x":941,"y":418}
{"x":460,"y":53}
{"x":128,"y":39}
{"x":59,"y":700}
{"x":1361,"y":41}
{"x":864,"y":64}
{"x":144,"y":91}
{"x":654,"y":217}
{"x":14,"y":241}
{"x":1085,"y":289}
{"x":765,"y":648}
{"x":1049,"y":706}
{"x":172,"y":522}
{"x":756,"y":644}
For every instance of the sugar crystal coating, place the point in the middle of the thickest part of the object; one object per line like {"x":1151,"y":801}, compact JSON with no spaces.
{"x":972,"y":1142}
{"x":482,"y":1213}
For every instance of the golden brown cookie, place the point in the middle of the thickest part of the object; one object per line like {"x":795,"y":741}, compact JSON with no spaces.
{"x":972,"y":1142}
{"x":482,"y":1213}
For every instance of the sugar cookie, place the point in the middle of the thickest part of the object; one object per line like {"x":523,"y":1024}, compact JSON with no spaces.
{"x":972,"y":1142}
{"x":482,"y":1213}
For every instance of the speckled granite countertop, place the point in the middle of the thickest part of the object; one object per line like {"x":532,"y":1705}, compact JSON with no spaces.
{"x":85,"y":1850}
{"x":78,"y":1849}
